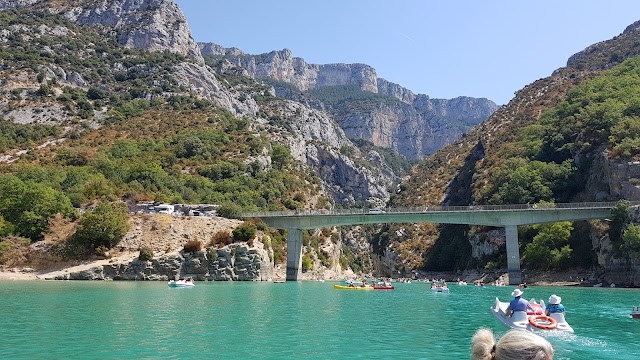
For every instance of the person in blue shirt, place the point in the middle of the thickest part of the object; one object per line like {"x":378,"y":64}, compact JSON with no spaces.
{"x":518,"y":303}
{"x":554,"y":306}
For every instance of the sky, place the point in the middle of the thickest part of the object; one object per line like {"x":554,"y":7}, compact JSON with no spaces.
{"x":444,"y":49}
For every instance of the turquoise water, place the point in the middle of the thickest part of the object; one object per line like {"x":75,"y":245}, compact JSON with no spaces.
{"x":309,"y":320}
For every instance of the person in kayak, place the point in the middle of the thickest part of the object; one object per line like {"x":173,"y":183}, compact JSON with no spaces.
{"x":518,"y":303}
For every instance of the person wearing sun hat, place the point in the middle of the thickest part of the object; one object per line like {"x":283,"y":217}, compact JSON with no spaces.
{"x":518,"y":303}
{"x":554,"y":305}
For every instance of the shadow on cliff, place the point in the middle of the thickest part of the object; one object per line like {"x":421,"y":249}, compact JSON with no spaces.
{"x":452,"y":251}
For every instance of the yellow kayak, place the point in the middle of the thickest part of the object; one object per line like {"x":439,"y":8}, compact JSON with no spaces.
{"x":346,"y":287}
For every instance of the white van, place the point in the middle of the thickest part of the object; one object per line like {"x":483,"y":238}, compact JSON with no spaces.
{"x":164,"y":209}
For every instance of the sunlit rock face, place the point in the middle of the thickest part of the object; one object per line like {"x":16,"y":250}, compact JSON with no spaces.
{"x":392,"y":116}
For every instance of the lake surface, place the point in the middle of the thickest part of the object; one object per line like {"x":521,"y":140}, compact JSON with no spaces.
{"x":305,"y":320}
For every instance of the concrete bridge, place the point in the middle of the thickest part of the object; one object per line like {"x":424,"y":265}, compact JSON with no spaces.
{"x":507,"y":216}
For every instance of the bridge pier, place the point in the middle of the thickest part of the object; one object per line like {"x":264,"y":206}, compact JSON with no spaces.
{"x":294,"y":254}
{"x":513,"y":255}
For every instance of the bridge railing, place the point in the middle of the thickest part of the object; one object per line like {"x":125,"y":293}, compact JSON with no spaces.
{"x":430,"y":209}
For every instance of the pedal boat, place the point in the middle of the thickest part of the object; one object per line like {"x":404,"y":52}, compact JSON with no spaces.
{"x":535,"y":320}
{"x":180,"y":283}
{"x":439,"y":289}
{"x":383,"y":286}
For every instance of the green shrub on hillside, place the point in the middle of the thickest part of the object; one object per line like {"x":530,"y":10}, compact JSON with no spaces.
{"x":146,"y":253}
{"x":602,"y":111}
{"x":307,"y":262}
{"x":243,"y":233}
{"x":520,"y":181}
{"x":29,"y":206}
{"x":549,"y":248}
{"x":631,"y":242}
{"x":230,"y":211}
{"x":620,"y":217}
{"x":105,"y":225}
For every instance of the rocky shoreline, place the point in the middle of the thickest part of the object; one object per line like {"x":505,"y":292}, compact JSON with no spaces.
{"x":173,"y":267}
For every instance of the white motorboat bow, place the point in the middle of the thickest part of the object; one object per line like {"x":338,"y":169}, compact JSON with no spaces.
{"x":181,"y":283}
{"x":635,"y":312}
{"x":530,"y":320}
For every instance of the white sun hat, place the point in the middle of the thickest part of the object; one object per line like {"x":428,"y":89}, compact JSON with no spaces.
{"x":516,"y":293}
{"x":554,"y":299}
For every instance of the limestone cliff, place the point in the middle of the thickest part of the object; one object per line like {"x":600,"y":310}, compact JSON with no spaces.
{"x":149,"y":25}
{"x":391,"y":117}
{"x":348,"y":176}
{"x":154,"y":25}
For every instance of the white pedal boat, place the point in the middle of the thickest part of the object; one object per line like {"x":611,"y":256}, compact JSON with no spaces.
{"x":181,"y":283}
{"x":530,"y":321}
{"x":439,"y":289}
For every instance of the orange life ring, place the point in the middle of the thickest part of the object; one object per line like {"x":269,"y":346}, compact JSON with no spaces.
{"x":547,"y":322}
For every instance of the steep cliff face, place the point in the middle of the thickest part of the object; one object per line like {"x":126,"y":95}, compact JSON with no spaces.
{"x":316,"y":140}
{"x":413,"y":130}
{"x":282,"y":66}
{"x":385,"y":113}
{"x":154,"y":25}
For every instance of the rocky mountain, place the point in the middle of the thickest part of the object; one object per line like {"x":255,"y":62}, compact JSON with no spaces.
{"x":551,"y":124}
{"x":365,"y":106}
{"x":154,"y":25}
{"x":58,"y":43}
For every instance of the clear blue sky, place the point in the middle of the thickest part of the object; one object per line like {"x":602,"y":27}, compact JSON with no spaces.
{"x":443,"y":49}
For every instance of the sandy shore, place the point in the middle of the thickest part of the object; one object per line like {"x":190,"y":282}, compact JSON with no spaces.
{"x":17,"y":276}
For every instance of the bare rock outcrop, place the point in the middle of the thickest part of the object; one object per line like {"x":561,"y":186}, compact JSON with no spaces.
{"x":413,"y":125}
{"x":154,"y":25}
{"x":235,"y":262}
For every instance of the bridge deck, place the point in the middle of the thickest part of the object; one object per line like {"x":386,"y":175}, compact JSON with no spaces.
{"x":491,"y":215}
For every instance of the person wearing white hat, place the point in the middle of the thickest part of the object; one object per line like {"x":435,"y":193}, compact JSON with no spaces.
{"x":518,"y":303}
{"x":554,"y":305}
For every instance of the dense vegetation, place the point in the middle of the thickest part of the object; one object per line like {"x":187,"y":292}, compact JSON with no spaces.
{"x":539,"y":149}
{"x":600,"y":114}
{"x":603,"y":112}
{"x":13,"y":135}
